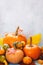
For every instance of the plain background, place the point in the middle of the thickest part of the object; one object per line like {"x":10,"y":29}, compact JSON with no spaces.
{"x":28,"y":14}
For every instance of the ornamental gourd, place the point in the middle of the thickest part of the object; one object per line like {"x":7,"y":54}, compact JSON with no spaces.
{"x":27,"y":60}
{"x":19,"y":45}
{"x":11,"y":38}
{"x":2,"y":51}
{"x":3,"y":60}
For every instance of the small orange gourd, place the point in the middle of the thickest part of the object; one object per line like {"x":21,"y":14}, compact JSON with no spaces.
{"x":27,"y":60}
{"x":2,"y":51}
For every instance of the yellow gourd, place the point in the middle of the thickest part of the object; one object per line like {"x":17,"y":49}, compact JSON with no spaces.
{"x":5,"y":62}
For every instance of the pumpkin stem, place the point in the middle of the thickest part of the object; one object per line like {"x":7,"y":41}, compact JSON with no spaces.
{"x":16,"y":33}
{"x":30,"y":41}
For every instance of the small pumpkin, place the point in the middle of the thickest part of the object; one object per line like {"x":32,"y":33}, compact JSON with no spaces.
{"x":40,"y":61}
{"x":14,"y":55}
{"x":27,"y":60}
{"x":11,"y":38}
{"x":32,"y":51}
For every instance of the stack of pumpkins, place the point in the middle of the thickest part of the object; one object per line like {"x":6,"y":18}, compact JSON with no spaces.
{"x":16,"y":49}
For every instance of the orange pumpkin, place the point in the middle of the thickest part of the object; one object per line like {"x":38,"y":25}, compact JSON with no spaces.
{"x":11,"y":38}
{"x":27,"y":60}
{"x":14,"y":55}
{"x":32,"y":51}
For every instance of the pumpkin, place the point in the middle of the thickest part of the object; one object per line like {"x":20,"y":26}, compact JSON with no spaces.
{"x":14,"y":55}
{"x":27,"y":60}
{"x":32,"y":51}
{"x":11,"y":38}
{"x":2,"y":51}
{"x":40,"y":61}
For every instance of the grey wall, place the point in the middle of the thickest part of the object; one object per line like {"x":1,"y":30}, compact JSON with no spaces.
{"x":28,"y":14}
